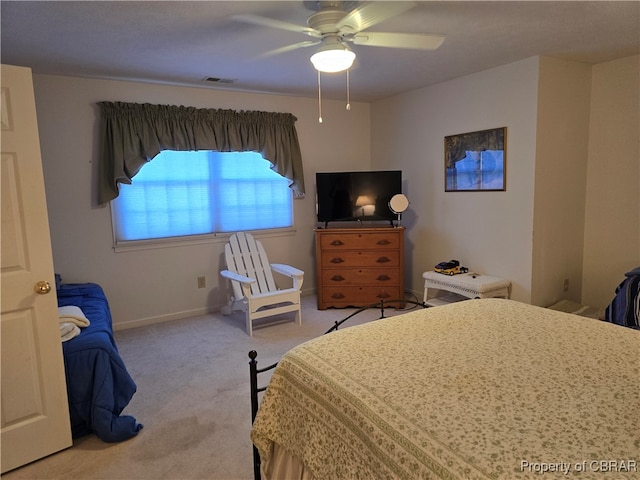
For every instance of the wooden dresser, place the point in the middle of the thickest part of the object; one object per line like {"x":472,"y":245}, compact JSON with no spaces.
{"x":356,"y":267}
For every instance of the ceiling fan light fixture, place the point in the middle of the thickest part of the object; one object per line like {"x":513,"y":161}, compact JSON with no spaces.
{"x":333,"y":56}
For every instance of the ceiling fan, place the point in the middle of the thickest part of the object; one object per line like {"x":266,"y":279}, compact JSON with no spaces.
{"x":335,"y":24}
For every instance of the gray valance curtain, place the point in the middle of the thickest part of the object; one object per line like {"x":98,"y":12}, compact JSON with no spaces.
{"x":457,"y":146}
{"x":132,"y":134}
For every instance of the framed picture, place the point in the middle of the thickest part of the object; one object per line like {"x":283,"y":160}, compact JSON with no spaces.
{"x":475,"y":161}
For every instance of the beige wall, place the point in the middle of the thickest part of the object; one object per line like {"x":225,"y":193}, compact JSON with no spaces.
{"x":530,"y":234}
{"x":489,"y":232}
{"x":160,"y":284}
{"x":612,"y":220}
{"x":571,"y":209}
{"x":560,"y":180}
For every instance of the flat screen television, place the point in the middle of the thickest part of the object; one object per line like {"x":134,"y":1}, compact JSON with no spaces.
{"x":357,"y":196}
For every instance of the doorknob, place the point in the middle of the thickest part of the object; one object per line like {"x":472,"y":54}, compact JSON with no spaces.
{"x":43,"y":287}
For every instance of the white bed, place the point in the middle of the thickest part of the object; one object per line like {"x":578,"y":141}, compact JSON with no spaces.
{"x":482,"y":389}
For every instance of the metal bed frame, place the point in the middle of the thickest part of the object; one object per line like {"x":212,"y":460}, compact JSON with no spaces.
{"x":254,"y":371}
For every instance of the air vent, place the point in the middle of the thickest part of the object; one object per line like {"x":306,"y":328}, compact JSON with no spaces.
{"x":218,"y":80}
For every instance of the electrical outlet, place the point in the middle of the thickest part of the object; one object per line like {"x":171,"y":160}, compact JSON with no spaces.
{"x":202,"y":282}
{"x":566,"y":284}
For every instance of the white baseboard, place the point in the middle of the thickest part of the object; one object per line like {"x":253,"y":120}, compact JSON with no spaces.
{"x":145,"y":322}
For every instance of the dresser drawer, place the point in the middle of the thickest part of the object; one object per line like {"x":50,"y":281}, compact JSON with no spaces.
{"x":368,"y":258}
{"x":357,"y":296}
{"x":360,"y":276}
{"x":360,"y":241}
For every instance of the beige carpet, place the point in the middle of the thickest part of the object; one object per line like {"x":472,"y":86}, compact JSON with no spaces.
{"x":193,"y":399}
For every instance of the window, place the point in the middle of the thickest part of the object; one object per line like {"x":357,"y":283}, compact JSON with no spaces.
{"x":194,"y":193}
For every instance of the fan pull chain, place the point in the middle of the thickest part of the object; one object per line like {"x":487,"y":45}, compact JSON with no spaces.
{"x":348,"y":100}
{"x":319,"y":100}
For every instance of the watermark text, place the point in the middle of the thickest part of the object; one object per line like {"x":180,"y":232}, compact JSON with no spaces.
{"x":604,"y":466}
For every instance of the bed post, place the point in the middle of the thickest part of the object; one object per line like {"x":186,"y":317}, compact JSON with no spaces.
{"x":254,"y":371}
{"x":382,"y":308}
{"x":253,"y":375}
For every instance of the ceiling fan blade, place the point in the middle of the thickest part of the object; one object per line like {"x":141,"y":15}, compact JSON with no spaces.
{"x":416,"y":41}
{"x":270,"y":22}
{"x":288,"y":48}
{"x":371,"y":14}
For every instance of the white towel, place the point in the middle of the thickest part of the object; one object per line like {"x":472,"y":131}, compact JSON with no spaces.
{"x":72,"y":314}
{"x":68,"y":331}
{"x":66,"y":328}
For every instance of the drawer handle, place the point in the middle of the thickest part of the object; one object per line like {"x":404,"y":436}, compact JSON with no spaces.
{"x":383,"y":295}
{"x":336,"y":243}
{"x":337,"y":260}
{"x":383,"y":277}
{"x":383,"y":260}
{"x":337,"y":278}
{"x":337,"y":295}
{"x":383,"y":242}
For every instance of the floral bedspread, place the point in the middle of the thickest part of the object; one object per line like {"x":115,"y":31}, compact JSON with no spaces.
{"x":480,"y":389}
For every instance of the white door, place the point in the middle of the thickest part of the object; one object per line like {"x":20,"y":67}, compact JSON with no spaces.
{"x":35,"y":413}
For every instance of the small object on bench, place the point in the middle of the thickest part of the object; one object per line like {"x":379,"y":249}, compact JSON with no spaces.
{"x":452,"y":267}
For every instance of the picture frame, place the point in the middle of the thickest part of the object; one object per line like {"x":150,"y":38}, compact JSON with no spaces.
{"x":476,"y":161}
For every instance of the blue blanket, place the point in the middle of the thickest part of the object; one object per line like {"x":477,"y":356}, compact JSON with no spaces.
{"x":99,"y":386}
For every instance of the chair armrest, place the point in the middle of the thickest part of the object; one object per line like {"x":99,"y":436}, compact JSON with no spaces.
{"x":287,"y":270}
{"x":237,"y":277}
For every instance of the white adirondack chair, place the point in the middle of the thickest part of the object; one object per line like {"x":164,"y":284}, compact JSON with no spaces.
{"x":254,"y":288}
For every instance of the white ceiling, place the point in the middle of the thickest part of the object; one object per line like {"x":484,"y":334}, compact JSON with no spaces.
{"x":183,"y":42}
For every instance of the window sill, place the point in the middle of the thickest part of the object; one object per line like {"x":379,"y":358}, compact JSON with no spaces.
{"x":174,"y":242}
